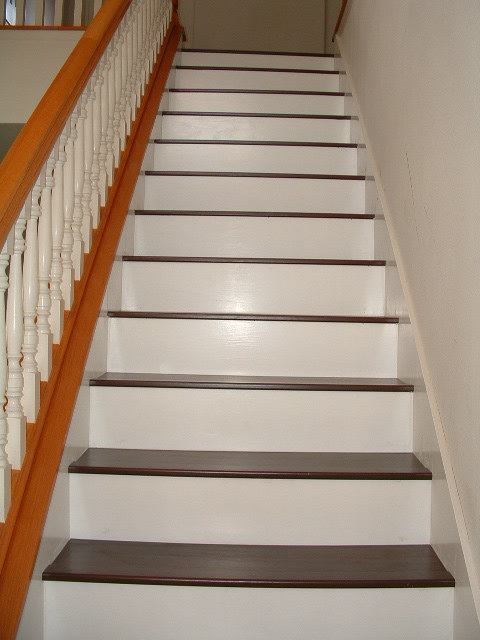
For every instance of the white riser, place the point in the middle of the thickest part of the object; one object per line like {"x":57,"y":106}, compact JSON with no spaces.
{"x":288,"y":81}
{"x":255,"y":158}
{"x":257,"y":103}
{"x":254,"y":60}
{"x":225,"y":193}
{"x":81,"y":611}
{"x":249,"y":420}
{"x":250,"y":237}
{"x":262,"y":237}
{"x":253,"y":288}
{"x":249,"y":510}
{"x":217,"y":127}
{"x":234,"y":347}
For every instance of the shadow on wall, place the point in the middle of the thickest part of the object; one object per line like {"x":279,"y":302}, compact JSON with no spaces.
{"x":8,"y":132}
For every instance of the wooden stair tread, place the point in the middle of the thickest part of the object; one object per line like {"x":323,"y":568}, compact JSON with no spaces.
{"x":291,"y":383}
{"x":253,"y":174}
{"x":262,"y":53}
{"x":259,"y":143}
{"x":252,"y":464}
{"x":256,"y":69}
{"x":253,"y":317}
{"x":249,"y":565}
{"x":253,"y":214}
{"x":217,"y":259}
{"x":249,"y":114}
{"x":262,"y":92}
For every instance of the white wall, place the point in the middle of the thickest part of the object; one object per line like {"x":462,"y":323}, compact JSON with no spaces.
{"x":30,"y":60}
{"x":415,"y":69}
{"x":265,"y":25}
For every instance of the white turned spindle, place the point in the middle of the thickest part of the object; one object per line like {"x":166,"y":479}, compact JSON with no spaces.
{"x":79,"y":149}
{"x":16,"y":419}
{"x":117,"y":88}
{"x":88,"y":159}
{"x":31,"y":375}
{"x":45,"y":338}
{"x":68,"y":273}
{"x":19,"y":13}
{"x":102,"y":153}
{"x":5,"y":468}
{"x":133,"y":83}
{"x":129,"y":92}
{"x":97,"y":134}
{"x":58,"y":226}
{"x":39,"y":11}
{"x":124,"y":102}
{"x":111,"y":108}
{"x":77,"y":12}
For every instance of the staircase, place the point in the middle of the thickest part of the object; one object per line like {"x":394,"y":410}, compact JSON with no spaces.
{"x":250,"y":472}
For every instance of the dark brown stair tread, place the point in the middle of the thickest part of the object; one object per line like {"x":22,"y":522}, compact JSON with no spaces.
{"x":216,"y":259}
{"x":262,"y":92}
{"x":249,"y":114}
{"x":257,"y":317}
{"x":252,"y":464}
{"x":182,"y":380}
{"x":249,"y":565}
{"x":262,"y":53}
{"x":254,"y":214}
{"x":328,"y":72}
{"x":259,"y":143}
{"x":252,"y":174}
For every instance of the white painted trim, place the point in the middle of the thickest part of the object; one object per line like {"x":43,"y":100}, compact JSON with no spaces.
{"x":472,"y":570}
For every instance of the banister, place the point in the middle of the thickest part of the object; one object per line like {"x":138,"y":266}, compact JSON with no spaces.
{"x":339,"y":19}
{"x":28,"y":153}
{"x":21,"y":534}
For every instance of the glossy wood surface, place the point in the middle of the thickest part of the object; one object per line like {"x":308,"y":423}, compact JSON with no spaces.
{"x":226,"y":260}
{"x":253,"y":214}
{"x":252,"y":464}
{"x":228,"y":114}
{"x":339,"y":19}
{"x":263,"y":53}
{"x":245,"y":174}
{"x":250,"y":316}
{"x":278,"y":92}
{"x":280,"y":143}
{"x":112,"y":379}
{"x":249,"y":565}
{"x":259,"y":69}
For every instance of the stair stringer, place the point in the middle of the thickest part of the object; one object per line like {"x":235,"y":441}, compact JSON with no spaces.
{"x":449,"y":537}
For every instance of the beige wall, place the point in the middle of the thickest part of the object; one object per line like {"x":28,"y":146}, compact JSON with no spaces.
{"x":415,"y":69}
{"x":29,"y":62}
{"x":266,"y":25}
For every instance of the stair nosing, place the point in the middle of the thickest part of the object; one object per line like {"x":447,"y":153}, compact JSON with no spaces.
{"x":202,"y":67}
{"x":243,"y":565}
{"x":259,"y":383}
{"x":251,"y":174}
{"x":255,"y":214}
{"x":230,"y":260}
{"x":259,"y":143}
{"x":260,"y":53}
{"x":250,"y":464}
{"x":336,"y":94}
{"x":248,"y":114}
{"x":252,"y":317}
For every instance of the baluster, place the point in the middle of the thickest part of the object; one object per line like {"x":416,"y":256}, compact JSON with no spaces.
{"x":15,"y":416}
{"x":19,"y":13}
{"x":87,"y":101}
{"x":68,"y":275}
{"x":5,"y":468}
{"x":31,"y":375}
{"x":133,"y":85}
{"x":79,"y":150}
{"x":120,"y":72}
{"x":130,"y":62}
{"x":44,"y":352}
{"x":102,"y":152}
{"x":97,"y":134}
{"x":111,"y":108}
{"x":139,"y":84}
{"x":124,"y":102}
{"x":117,"y":136}
{"x":58,"y":226}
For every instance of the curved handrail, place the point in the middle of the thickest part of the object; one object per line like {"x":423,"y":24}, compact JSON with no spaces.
{"x":339,"y":19}
{"x":31,"y":148}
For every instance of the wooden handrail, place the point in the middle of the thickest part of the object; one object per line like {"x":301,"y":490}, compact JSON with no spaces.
{"x":31,"y":148}
{"x":21,"y":535}
{"x":339,"y":19}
